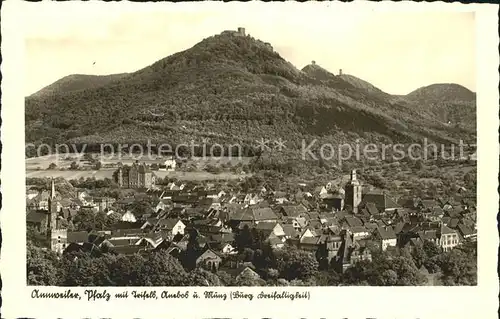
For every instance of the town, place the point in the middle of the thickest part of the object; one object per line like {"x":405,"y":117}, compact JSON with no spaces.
{"x":216,"y":228}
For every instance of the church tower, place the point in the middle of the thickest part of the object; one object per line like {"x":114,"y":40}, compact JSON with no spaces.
{"x":58,"y":236}
{"x":52,"y":207}
{"x":353,"y":192}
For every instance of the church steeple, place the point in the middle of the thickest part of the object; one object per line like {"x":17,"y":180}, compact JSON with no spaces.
{"x":353,"y":192}
{"x":52,"y":190}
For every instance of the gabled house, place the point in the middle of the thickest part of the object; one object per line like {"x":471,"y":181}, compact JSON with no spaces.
{"x":209,"y":260}
{"x":448,"y":238}
{"x":128,"y":217}
{"x":275,"y":241}
{"x":255,"y":215}
{"x":78,"y":237}
{"x":272,"y":228}
{"x":320,"y":191}
{"x":386,"y":237}
{"x":150,"y":241}
{"x":360,"y":232}
{"x":382,"y":201}
{"x":333,"y":201}
{"x":171,"y":226}
{"x":467,"y":233}
{"x":293,"y":210}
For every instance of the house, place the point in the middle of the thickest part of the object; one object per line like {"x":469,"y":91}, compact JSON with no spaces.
{"x":290,"y":231}
{"x":209,"y":260}
{"x":386,"y":236}
{"x":79,"y":237}
{"x":163,"y":204}
{"x":275,"y":242}
{"x":39,"y":220}
{"x":333,"y":201}
{"x":349,"y":252}
{"x":31,"y":193}
{"x":128,"y":249}
{"x":298,"y":223}
{"x":271,"y":228}
{"x":128,"y":217}
{"x":168,"y":165}
{"x":104,"y":203}
{"x":360,"y":232}
{"x":246,"y":271}
{"x":382,"y":201}
{"x":151,"y":240}
{"x":431,"y":235}
{"x":251,"y":199}
{"x":293,"y":210}
{"x":228,"y":249}
{"x":448,"y":238}
{"x":467,"y":233}
{"x":320,"y":191}
{"x":172,"y":226}
{"x":308,"y":240}
{"x":69,"y":213}
{"x":255,"y":215}
{"x":135,"y":176}
{"x":150,"y":223}
{"x":428,"y":204}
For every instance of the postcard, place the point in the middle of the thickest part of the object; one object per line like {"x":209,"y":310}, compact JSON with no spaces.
{"x":249,"y":160}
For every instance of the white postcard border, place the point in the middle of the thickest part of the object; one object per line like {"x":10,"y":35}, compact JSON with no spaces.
{"x":325,"y":302}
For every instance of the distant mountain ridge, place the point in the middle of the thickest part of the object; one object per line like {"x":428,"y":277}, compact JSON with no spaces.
{"x":442,"y":92}
{"x":76,"y":82}
{"x":228,"y":88}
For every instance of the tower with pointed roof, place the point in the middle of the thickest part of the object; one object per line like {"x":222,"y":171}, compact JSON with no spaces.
{"x":58,"y":236}
{"x":353,"y":192}
{"x":52,"y":206}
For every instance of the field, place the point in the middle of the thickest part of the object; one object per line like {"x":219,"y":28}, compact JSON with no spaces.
{"x":64,"y":161}
{"x":108,"y":173}
{"x":38,"y":167}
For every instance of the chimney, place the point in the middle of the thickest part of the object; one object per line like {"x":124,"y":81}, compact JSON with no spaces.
{"x":340,"y":71}
{"x":313,"y":62}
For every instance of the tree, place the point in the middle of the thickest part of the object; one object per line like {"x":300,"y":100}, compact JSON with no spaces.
{"x":201,"y":277}
{"x":112,"y":219}
{"x":247,"y":279}
{"x":459,"y":267}
{"x":87,"y":220}
{"x":74,"y":165}
{"x":42,"y":267}
{"x":419,"y":256}
{"x":264,"y":257}
{"x":125,"y":270}
{"x":52,"y":166}
{"x":98,"y":165}
{"x":296,"y":264}
{"x":192,"y":252}
{"x":389,"y":277}
{"x":86,"y":270}
{"x":161,"y":269}
{"x":226,"y":279}
{"x":431,"y":249}
{"x":243,"y":238}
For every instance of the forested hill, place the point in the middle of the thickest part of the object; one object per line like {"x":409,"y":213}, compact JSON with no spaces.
{"x":449,"y":103}
{"x":76,"y":82}
{"x":227,"y":89}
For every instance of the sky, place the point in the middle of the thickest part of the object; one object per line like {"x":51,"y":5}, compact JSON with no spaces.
{"x":397,"y":51}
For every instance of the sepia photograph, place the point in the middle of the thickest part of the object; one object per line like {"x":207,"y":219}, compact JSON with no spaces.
{"x":250,"y":149}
